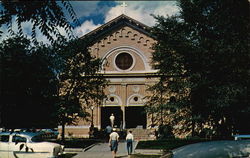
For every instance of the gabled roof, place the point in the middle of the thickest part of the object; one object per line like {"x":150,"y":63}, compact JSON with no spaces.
{"x":119,"y":21}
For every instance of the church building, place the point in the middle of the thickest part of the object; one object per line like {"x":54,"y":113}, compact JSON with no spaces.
{"x":125,"y":47}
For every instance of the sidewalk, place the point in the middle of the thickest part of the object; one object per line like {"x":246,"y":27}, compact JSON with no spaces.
{"x":102,"y":150}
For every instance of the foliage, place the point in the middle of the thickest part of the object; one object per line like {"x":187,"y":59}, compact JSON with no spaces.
{"x":28,"y":84}
{"x":163,"y":108}
{"x":144,"y":156}
{"x":77,"y":84}
{"x":51,"y":85}
{"x":205,"y":51}
{"x":165,"y":131}
{"x":61,"y":79}
{"x":46,"y":16}
{"x":80,"y":85}
{"x":157,"y":103}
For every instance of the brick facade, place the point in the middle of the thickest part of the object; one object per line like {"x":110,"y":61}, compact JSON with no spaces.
{"x":127,"y":88}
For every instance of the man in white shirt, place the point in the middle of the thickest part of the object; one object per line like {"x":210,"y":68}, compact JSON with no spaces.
{"x":113,"y":142}
{"x":130,"y":139}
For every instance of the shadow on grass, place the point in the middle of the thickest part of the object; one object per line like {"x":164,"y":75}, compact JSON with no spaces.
{"x":144,"y":156}
{"x":122,"y":156}
{"x":167,"y":144}
{"x":68,"y":155}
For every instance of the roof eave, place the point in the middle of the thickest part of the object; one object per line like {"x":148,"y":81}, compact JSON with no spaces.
{"x":128,"y":21}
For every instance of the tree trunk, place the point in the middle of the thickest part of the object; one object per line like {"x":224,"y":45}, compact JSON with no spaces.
{"x":63,"y":132}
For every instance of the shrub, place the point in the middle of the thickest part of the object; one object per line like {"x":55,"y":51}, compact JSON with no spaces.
{"x":165,"y":132}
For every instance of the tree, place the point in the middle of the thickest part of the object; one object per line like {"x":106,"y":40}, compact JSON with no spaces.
{"x":80,"y":84}
{"x":156,"y":104}
{"x":164,"y":109}
{"x":28,"y":85}
{"x":206,"y":50}
{"x":43,"y":86}
{"x":46,"y":16}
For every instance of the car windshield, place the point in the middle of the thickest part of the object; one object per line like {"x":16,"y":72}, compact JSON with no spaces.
{"x":37,"y":138}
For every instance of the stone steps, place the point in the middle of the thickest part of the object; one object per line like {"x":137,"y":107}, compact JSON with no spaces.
{"x":143,"y":134}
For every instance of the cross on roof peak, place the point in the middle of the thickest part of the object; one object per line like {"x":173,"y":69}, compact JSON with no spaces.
{"x":123,"y":5}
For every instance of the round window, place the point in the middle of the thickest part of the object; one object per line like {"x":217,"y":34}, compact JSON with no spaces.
{"x":136,"y":99}
{"x":124,"y":61}
{"x":112,"y":99}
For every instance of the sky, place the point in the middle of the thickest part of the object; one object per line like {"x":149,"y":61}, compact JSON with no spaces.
{"x":93,"y":14}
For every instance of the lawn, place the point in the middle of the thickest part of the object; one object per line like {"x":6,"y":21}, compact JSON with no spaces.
{"x":144,"y":156}
{"x":167,"y":144}
{"x":69,"y":155}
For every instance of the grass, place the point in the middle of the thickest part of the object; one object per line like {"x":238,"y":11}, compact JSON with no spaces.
{"x":144,"y":156}
{"x":168,"y":144}
{"x":165,"y":145}
{"x":69,"y":155}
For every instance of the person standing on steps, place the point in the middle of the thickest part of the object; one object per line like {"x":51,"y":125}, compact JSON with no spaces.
{"x":113,"y":142}
{"x":129,"y":140}
{"x":112,"y":120}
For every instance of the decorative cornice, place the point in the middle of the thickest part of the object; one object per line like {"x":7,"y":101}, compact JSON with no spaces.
{"x":119,"y":21}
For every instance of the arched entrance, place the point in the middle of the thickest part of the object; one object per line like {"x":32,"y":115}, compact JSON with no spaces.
{"x":135,"y":116}
{"x":105,"y":114}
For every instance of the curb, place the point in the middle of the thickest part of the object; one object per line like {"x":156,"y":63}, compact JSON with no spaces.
{"x":149,"y":151}
{"x":89,"y":147}
{"x":73,"y":149}
{"x":79,"y":149}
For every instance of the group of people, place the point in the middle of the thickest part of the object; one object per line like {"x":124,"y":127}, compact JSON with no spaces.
{"x":113,"y":142}
{"x":114,"y":138}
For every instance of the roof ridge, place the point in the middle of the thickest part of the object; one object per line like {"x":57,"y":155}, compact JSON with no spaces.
{"x":122,"y":16}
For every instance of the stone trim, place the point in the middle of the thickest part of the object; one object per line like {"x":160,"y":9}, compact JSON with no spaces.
{"x":131,"y":67}
{"x":127,"y":49}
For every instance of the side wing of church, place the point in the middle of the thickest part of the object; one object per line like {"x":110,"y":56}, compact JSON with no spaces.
{"x":125,"y":47}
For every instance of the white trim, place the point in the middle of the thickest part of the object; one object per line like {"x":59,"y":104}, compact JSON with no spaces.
{"x":132,"y":105}
{"x":140,"y":102}
{"x":126,"y":49}
{"x":72,"y":126}
{"x":132,"y":72}
{"x":110,"y":103}
{"x":127,"y":80}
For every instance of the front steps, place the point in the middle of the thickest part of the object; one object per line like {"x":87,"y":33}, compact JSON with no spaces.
{"x":143,"y":134}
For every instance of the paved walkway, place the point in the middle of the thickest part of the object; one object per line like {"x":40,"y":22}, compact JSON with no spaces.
{"x":102,"y":150}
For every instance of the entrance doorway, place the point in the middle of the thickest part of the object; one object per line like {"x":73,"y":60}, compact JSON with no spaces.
{"x":135,"y":116}
{"x":106,"y":113}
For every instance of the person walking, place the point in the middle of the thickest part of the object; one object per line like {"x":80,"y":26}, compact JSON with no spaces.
{"x":108,"y":131}
{"x":129,"y":140}
{"x":113,"y":142}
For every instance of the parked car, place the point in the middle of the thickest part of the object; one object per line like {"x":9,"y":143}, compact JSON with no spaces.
{"x":213,"y":149}
{"x":242,"y":137}
{"x":27,"y":145}
{"x":50,"y":133}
